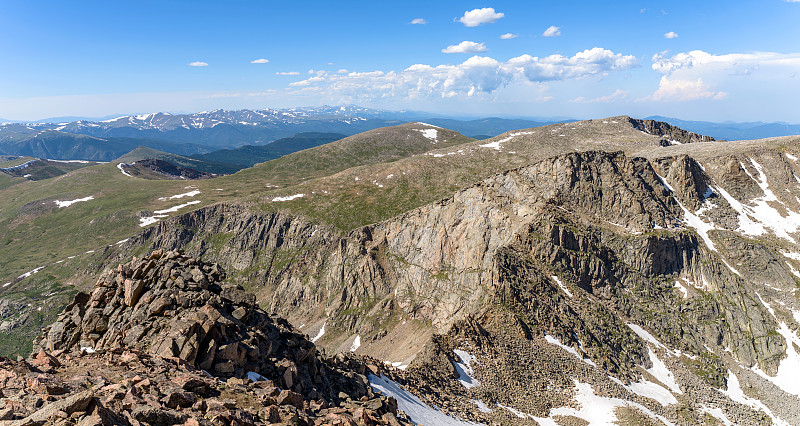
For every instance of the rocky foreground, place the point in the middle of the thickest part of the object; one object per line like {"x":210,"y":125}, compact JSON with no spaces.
{"x":164,"y":340}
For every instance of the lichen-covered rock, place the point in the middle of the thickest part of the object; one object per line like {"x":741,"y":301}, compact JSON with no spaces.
{"x":168,"y":306}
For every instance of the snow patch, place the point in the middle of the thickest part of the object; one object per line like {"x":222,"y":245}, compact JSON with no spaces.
{"x":146,"y":221}
{"x":717,"y":413}
{"x":597,"y":410}
{"x":694,"y":221}
{"x":319,"y":334}
{"x":496,"y":144}
{"x":62,"y":204}
{"x":652,"y":391}
{"x":790,"y":156}
{"x":356,"y":343}
{"x":683,"y":289}
{"x":514,"y":411}
{"x":290,"y":197}
{"x":176,"y":208}
{"x":560,"y":284}
{"x":185,"y":194}
{"x":554,"y":341}
{"x":464,"y":369}
{"x":755,"y":219}
{"x":119,"y":166}
{"x":418,"y":411}
{"x":736,"y":393}
{"x":29,"y":273}
{"x":482,"y":407}
{"x":431,"y":134}
{"x":660,"y":371}
{"x":789,"y":367}
{"x":253,"y":376}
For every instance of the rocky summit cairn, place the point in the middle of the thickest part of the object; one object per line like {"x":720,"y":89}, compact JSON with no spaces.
{"x":164,"y":340}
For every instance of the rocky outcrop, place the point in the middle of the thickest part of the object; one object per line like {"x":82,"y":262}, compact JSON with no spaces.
{"x":669,"y":132}
{"x":170,"y":307}
{"x":615,"y":231}
{"x":155,"y":168}
{"x":127,"y":387}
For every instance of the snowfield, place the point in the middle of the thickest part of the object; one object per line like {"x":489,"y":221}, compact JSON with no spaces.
{"x":290,"y":197}
{"x":62,"y":204}
{"x":185,"y":194}
{"x":464,"y":369}
{"x":419,"y":412}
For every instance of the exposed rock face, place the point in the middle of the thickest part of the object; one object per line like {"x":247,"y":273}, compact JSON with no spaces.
{"x":155,"y":168}
{"x":127,"y":387}
{"x":669,"y":132}
{"x":439,"y":262}
{"x":171,"y":307}
{"x":616,"y":232}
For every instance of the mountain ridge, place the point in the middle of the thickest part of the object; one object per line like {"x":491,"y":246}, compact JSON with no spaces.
{"x":614,"y":260}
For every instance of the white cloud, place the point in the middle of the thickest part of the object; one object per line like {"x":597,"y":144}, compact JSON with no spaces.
{"x":476,"y":17}
{"x":557,"y":67}
{"x":198,"y":64}
{"x":418,"y":21}
{"x":308,"y":81}
{"x":475,"y":76}
{"x":287,"y":73}
{"x":617,"y":95}
{"x":509,"y":36}
{"x":553,"y":31}
{"x":673,"y":34}
{"x":342,"y":71}
{"x":701,"y":75}
{"x":465,"y":47}
{"x":730,"y":62}
{"x":670,"y":89}
{"x":260,"y":61}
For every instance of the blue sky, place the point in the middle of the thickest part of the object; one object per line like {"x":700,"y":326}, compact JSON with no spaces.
{"x":721,"y":61}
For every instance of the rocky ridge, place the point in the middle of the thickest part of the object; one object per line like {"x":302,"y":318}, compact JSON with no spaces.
{"x":164,"y":340}
{"x":154,"y":168}
{"x":611,"y":228}
{"x":660,"y":282}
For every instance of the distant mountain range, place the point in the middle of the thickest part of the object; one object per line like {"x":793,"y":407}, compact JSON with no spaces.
{"x":734,"y":131}
{"x":203,"y":132}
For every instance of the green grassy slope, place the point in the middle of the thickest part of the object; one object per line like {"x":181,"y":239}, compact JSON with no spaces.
{"x":35,"y":232}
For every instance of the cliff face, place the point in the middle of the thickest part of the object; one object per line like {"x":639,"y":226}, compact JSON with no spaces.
{"x":671,"y":134}
{"x":593,"y":250}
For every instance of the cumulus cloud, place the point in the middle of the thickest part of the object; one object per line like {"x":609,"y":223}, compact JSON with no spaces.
{"x":671,"y":34}
{"x":260,"y":61}
{"x":509,"y":36}
{"x":701,"y":75}
{"x":730,"y":62}
{"x":465,"y":47}
{"x":287,"y":73}
{"x":476,"y":17}
{"x":418,"y":21}
{"x":198,"y":64}
{"x":617,"y":95}
{"x":553,"y":31}
{"x":475,"y":76}
{"x":672,"y":89}
{"x":557,"y":67}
